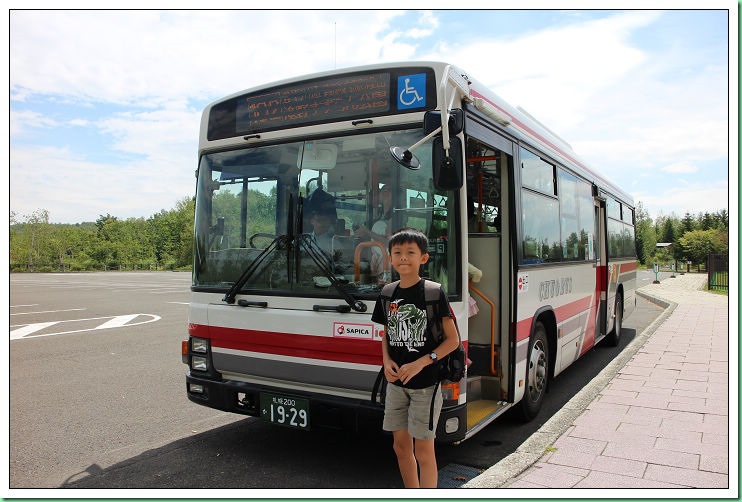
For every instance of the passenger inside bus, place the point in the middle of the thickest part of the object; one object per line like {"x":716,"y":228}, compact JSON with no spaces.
{"x":380,"y":230}
{"x":321,"y":216}
{"x":323,"y":230}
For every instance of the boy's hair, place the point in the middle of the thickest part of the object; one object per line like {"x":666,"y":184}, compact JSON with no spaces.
{"x":406,"y":235}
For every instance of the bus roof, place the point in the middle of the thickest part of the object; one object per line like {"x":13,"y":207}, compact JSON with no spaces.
{"x":517,"y":121}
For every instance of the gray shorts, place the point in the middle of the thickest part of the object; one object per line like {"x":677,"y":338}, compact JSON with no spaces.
{"x":410,"y":409}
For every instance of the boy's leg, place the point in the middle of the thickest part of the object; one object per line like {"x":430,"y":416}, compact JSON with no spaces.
{"x":404,"y":448}
{"x":396,"y":412}
{"x":425,"y":454}
{"x":419,"y":428}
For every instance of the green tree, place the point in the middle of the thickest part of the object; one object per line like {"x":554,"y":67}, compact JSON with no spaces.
{"x":723,"y":219}
{"x":646,"y":238}
{"x":668,"y":231}
{"x":172,"y":235}
{"x":706,"y":222}
{"x":31,"y":239}
{"x":698,"y":244}
{"x":687,"y":223}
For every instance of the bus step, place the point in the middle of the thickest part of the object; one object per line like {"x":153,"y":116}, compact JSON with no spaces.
{"x":482,"y":387}
{"x":480,"y":413}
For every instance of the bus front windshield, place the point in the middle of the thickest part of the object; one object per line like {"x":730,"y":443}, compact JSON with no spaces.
{"x":306,"y":216}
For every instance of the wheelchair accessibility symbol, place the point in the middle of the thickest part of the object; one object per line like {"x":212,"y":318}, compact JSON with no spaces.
{"x":411,"y":89}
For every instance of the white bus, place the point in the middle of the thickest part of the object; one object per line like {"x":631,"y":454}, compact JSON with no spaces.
{"x":520,"y":229}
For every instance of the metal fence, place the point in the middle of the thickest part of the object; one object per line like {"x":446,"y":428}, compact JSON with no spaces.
{"x":717,"y":267}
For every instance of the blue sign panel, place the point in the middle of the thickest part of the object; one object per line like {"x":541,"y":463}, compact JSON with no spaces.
{"x":411,"y":91}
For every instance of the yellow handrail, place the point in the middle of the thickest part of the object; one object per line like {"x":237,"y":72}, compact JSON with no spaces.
{"x":493,"y":370}
{"x":357,"y":257}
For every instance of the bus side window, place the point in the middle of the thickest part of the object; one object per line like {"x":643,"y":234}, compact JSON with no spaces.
{"x":483,"y":187}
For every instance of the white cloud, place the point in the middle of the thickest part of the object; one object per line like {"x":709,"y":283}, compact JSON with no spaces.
{"x":131,"y":56}
{"x":155,"y":63}
{"x":678,"y":200}
{"x":74,"y":189}
{"x":554,"y":73}
{"x":629,"y":111}
{"x":680,"y":168}
{"x":23,"y":121}
{"x":632,"y":113}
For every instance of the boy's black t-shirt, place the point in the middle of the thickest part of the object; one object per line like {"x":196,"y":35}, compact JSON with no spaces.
{"x":408,"y":335}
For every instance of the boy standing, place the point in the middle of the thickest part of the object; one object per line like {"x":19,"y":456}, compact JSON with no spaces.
{"x":409,"y":352}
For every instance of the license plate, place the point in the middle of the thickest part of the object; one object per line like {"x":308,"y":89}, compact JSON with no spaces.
{"x":285,"y":410}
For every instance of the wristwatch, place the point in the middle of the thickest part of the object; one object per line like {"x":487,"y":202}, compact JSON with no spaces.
{"x":433,"y":356}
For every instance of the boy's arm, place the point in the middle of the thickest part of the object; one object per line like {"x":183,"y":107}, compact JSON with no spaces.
{"x":448,"y":345}
{"x":390,"y":367}
{"x":387,"y":363}
{"x":451,"y":338}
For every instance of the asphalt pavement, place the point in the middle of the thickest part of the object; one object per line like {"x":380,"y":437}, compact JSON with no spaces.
{"x":657,"y":417}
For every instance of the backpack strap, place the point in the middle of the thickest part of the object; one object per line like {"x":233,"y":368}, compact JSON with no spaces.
{"x":387,"y":292}
{"x":379,"y":388}
{"x":432,"y":406}
{"x":432,"y":305}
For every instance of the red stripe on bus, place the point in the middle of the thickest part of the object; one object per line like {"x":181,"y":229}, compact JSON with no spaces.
{"x":592,"y":324}
{"x":600,"y":278}
{"x":523,"y":329}
{"x":292,"y":345}
{"x":628,"y":266}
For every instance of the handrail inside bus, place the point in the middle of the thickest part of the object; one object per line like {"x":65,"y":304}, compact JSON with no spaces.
{"x":493,"y":370}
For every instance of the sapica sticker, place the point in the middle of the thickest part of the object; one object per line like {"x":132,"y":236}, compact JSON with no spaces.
{"x":353,"y":330}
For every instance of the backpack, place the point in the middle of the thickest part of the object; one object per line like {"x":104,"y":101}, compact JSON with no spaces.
{"x":453,"y":366}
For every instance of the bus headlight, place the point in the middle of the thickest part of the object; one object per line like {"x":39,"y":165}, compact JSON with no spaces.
{"x":452,"y":425}
{"x":199,"y":345}
{"x":199,"y":363}
{"x":196,"y":388}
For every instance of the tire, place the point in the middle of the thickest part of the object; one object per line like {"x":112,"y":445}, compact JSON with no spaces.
{"x":614,"y":336}
{"x":537,"y":373}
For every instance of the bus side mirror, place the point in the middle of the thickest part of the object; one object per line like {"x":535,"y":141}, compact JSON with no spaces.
{"x":432,"y":121}
{"x":448,"y":170}
{"x":432,"y":127}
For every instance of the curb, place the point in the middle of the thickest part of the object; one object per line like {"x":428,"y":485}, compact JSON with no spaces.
{"x":533,"y":448}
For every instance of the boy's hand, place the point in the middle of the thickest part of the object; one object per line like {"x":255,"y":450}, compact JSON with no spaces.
{"x":391,"y":371}
{"x":409,"y":370}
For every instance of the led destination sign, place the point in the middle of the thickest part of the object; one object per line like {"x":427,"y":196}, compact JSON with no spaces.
{"x":344,"y":97}
{"x":338,"y":98}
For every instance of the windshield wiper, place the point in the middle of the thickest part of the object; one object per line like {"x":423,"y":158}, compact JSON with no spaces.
{"x":320,"y":259}
{"x":277,"y":243}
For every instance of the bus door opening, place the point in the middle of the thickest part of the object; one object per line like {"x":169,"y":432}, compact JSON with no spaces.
{"x":600,"y":249}
{"x":487,"y":373}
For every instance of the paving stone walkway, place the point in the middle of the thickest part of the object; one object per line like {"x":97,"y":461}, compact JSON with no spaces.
{"x":659,"y":420}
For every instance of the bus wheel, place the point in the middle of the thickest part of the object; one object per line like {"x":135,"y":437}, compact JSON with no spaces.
{"x":615,"y":334}
{"x":537,"y":373}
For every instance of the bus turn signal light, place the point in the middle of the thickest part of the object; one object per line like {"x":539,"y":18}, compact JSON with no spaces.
{"x":451,"y":391}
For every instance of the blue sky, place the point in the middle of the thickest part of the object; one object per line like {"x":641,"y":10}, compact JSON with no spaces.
{"x":105,"y":105}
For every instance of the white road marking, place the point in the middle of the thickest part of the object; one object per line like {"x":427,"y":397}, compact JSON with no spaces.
{"x":118,"y":321}
{"x":31,"y":328}
{"x":45,"y":311}
{"x":111,"y":322}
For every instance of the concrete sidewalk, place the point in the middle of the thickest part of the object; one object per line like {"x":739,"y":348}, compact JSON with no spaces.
{"x":656,"y":417}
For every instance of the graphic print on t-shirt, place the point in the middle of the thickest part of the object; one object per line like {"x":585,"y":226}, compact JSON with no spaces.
{"x":406,"y":326}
